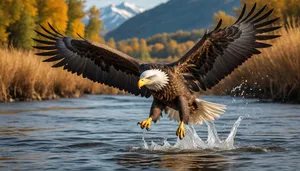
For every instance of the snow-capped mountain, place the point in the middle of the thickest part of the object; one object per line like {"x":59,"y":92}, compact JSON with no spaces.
{"x":115,"y":15}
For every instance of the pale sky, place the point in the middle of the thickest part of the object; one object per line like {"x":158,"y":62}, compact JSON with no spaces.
{"x":141,"y":3}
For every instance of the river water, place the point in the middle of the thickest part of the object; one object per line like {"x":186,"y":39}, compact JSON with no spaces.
{"x":100,"y":133}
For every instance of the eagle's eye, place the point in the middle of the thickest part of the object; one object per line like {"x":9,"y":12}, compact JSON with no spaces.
{"x":149,"y":77}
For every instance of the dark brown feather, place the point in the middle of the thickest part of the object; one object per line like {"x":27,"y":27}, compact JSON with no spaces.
{"x":222,"y":50}
{"x":45,"y":47}
{"x":55,"y":58}
{"x":43,"y":41}
{"x":97,"y":62}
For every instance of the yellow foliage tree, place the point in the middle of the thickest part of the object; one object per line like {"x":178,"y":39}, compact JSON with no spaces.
{"x":158,"y":47}
{"x":6,"y":18}
{"x":92,"y":30}
{"x":144,"y":53}
{"x":285,"y":9}
{"x":14,"y":14}
{"x":53,"y":12}
{"x":21,"y":30}
{"x":135,"y":47}
{"x":77,"y":28}
{"x":189,"y":44}
{"x":171,"y":47}
{"x":278,"y":5}
{"x":227,"y":20}
{"x":75,"y":15}
{"x":111,"y":42}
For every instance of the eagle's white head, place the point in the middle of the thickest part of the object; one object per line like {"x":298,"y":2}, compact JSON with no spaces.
{"x":153,"y":79}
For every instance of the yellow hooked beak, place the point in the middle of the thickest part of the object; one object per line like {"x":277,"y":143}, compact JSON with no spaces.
{"x":142,"y":82}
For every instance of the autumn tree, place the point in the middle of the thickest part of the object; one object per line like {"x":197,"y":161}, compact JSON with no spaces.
{"x":92,"y":30}
{"x":9,"y":13}
{"x":135,"y":47}
{"x":111,"y":42}
{"x":158,"y":47}
{"x":144,"y":53}
{"x":75,"y":15}
{"x":171,"y":47}
{"x":121,"y":45}
{"x":22,"y":29}
{"x":189,"y":44}
{"x":53,"y":12}
{"x":290,"y":9}
{"x":277,"y":5}
{"x":287,"y":10}
{"x":227,"y":20}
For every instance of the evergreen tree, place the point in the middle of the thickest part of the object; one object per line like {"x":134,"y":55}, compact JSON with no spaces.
{"x":92,"y":30}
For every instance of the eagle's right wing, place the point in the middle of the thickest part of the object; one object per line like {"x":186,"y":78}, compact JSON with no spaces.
{"x":222,"y":50}
{"x":96,"y":62}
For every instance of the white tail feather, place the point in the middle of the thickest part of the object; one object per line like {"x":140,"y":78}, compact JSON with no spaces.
{"x":205,"y":111}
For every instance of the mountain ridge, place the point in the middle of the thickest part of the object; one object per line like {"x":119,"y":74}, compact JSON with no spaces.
{"x":115,"y":15}
{"x":172,"y":16}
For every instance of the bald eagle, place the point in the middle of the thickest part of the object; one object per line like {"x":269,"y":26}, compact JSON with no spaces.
{"x":173,"y":86}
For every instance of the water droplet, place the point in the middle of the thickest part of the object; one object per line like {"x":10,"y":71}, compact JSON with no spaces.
{"x":192,"y":141}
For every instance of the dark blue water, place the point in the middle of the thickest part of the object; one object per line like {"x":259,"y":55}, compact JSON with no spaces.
{"x":101,"y":133}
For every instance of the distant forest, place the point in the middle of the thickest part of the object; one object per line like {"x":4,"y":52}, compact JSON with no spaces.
{"x":21,"y":17}
{"x":274,"y":74}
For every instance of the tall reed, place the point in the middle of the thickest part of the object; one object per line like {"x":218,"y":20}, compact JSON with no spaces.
{"x":274,"y":74}
{"x":23,"y":76}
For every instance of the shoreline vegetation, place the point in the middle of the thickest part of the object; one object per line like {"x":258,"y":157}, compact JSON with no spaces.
{"x":24,"y":77}
{"x":274,"y":74}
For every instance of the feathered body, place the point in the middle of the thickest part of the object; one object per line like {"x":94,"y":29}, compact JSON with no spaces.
{"x":177,"y":95}
{"x":174,"y":86}
{"x":168,"y":96}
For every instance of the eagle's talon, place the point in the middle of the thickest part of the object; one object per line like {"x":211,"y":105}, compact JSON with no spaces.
{"x":180,"y":131}
{"x":146,"y":124}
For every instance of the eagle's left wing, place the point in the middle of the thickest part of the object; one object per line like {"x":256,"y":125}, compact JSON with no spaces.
{"x":96,"y":62}
{"x":222,"y":50}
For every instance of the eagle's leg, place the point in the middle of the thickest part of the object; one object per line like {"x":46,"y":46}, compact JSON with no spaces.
{"x":145,"y":123}
{"x":155,"y":113}
{"x":184,"y":112}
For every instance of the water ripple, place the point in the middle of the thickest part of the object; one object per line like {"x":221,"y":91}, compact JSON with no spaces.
{"x":100,"y":133}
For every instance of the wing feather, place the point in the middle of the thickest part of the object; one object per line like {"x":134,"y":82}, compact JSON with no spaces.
{"x":222,"y":50}
{"x":96,"y":62}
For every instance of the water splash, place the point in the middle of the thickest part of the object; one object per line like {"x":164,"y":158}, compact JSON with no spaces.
{"x":192,"y":141}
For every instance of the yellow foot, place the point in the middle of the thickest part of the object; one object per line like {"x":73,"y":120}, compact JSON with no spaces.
{"x":180,"y":130}
{"x":145,"y":124}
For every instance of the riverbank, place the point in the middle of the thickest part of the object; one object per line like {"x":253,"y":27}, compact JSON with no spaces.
{"x":275,"y":75}
{"x":24,"y":77}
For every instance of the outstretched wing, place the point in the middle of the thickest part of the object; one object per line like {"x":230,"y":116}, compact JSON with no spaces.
{"x":96,"y":62}
{"x":222,"y":50}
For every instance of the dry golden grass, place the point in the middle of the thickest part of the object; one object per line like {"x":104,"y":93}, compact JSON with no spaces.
{"x":24,"y":77}
{"x":273,"y":74}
